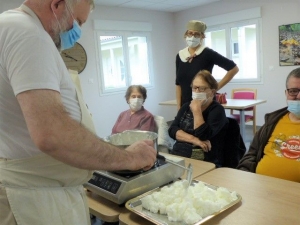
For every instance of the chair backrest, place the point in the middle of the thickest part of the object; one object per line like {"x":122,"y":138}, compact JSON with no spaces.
{"x":234,"y":146}
{"x":164,"y":141}
{"x":244,"y":93}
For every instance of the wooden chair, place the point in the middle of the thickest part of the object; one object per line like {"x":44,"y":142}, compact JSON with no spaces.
{"x":245,"y":93}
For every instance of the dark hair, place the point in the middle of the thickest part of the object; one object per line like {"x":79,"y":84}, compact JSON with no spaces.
{"x":208,"y":78}
{"x":140,"y":89}
{"x":293,"y":73}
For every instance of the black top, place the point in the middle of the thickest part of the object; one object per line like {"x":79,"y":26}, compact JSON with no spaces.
{"x":186,"y":71}
{"x":214,"y":130}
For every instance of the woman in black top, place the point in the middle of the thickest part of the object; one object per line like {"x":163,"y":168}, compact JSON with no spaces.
{"x":200,"y":125}
{"x":195,"y":57}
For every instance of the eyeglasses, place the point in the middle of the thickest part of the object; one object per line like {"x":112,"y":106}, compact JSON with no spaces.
{"x":293,"y":91}
{"x":190,"y":34}
{"x":200,"y":89}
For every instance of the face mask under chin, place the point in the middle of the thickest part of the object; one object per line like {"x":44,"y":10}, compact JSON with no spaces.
{"x":67,"y":38}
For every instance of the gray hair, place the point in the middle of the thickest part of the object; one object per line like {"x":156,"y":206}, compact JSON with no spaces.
{"x":139,"y":88}
{"x":293,"y":73}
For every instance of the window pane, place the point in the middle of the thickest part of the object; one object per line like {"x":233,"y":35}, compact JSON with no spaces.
{"x":243,"y":50}
{"x":216,"y":40}
{"x":113,"y":69}
{"x":138,"y":60}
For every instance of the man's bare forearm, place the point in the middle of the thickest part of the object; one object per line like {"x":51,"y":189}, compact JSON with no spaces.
{"x":55,"y":133}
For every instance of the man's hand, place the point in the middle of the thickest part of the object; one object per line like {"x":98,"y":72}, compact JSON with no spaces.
{"x":143,"y":155}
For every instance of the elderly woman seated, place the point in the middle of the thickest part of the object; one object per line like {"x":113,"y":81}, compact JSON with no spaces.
{"x":136,"y":117}
{"x":200,"y":125}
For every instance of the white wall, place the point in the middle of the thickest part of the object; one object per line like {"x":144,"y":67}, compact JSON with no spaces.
{"x":106,"y":109}
{"x":167,"y":39}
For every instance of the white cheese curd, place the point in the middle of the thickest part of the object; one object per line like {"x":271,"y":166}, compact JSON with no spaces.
{"x":188,"y":205}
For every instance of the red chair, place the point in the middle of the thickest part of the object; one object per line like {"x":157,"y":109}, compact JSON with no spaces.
{"x":245,"y":93}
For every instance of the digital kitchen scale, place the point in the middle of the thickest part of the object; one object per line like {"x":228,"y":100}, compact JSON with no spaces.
{"x":120,"y":186}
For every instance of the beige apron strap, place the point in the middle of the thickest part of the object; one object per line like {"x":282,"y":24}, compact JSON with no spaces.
{"x":86,"y":116}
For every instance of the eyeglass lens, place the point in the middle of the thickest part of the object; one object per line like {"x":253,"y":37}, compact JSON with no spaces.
{"x":199,"y":88}
{"x":293,"y":91}
{"x":196,"y":35}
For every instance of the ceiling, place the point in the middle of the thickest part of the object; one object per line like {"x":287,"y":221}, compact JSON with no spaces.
{"x":160,"y":5}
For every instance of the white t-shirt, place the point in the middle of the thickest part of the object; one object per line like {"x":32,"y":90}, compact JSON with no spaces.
{"x":29,"y":60}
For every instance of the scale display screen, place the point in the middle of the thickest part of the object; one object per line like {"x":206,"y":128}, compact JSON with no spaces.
{"x":105,"y":183}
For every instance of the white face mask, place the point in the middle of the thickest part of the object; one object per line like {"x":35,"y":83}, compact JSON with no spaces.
{"x":136,"y":104}
{"x":200,"y":96}
{"x":192,"y":41}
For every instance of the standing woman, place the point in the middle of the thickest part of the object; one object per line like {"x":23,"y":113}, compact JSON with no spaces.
{"x":196,"y":57}
{"x":136,"y":117}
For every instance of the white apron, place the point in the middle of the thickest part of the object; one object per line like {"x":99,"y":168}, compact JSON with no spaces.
{"x":44,"y":191}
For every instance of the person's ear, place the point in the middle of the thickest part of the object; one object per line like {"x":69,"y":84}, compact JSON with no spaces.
{"x":58,"y":6}
{"x":213,"y":91}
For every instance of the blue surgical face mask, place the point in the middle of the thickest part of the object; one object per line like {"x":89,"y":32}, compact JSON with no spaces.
{"x":69,"y":38}
{"x":294,"y":107}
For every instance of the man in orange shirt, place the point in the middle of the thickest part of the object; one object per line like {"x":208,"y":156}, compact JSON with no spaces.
{"x":275,"y":150}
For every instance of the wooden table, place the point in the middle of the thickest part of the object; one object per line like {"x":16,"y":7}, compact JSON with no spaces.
{"x":265,"y":200}
{"x":110,"y":211}
{"x":235,"y":104}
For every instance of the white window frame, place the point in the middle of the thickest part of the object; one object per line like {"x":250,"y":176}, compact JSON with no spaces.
{"x":236,"y":19}
{"x":124,"y":29}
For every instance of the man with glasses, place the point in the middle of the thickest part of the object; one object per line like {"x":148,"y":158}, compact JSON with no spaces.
{"x":275,"y":149}
{"x":195,"y":57}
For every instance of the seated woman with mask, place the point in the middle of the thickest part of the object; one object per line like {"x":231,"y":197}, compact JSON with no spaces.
{"x":137,"y":117}
{"x":200,"y":125}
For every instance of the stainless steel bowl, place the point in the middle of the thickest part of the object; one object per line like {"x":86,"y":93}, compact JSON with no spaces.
{"x":128,"y":137}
